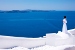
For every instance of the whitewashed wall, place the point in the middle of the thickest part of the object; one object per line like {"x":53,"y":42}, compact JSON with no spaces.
{"x":50,"y":39}
{"x":6,"y":42}
{"x":68,"y":41}
{"x":54,"y":40}
{"x":72,"y":31}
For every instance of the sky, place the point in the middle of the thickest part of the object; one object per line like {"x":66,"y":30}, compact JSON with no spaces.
{"x":37,"y":4}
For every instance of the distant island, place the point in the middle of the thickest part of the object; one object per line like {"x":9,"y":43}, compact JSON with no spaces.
{"x":24,"y":11}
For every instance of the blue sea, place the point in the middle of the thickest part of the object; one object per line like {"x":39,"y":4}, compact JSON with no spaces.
{"x":34,"y":24}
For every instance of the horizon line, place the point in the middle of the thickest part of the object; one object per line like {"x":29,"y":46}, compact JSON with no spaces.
{"x":37,"y":9}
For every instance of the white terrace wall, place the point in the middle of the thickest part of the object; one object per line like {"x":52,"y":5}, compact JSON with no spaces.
{"x":6,"y":42}
{"x":50,"y":39}
{"x":54,"y":40}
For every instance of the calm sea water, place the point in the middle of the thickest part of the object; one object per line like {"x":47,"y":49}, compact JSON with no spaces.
{"x":34,"y":24}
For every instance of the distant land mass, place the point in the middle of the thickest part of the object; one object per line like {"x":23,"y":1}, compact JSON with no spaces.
{"x":23,"y":11}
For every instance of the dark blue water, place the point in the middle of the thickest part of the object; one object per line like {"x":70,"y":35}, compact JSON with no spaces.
{"x":34,"y":24}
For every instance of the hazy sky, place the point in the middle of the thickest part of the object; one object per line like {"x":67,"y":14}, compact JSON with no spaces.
{"x":37,"y":4}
